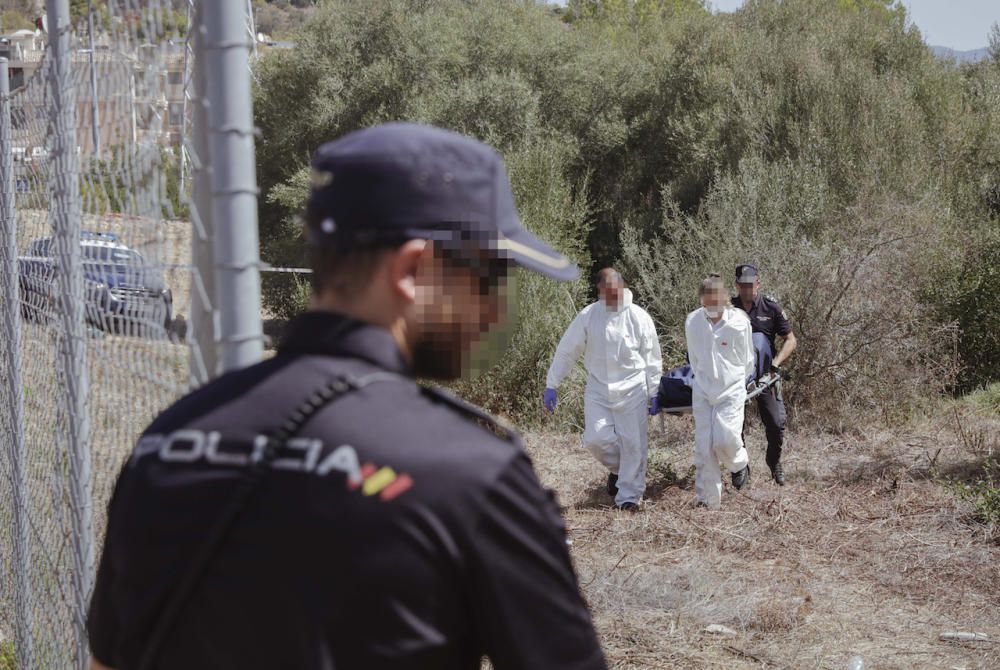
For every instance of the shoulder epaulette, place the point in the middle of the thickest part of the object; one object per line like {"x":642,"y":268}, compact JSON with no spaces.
{"x":774,"y":301}
{"x":475,"y":414}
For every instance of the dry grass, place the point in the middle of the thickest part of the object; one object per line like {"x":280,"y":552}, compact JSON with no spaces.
{"x":865,"y":552}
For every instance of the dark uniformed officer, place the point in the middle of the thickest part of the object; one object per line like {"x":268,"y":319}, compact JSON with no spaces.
{"x":768,"y":318}
{"x":321,"y":509}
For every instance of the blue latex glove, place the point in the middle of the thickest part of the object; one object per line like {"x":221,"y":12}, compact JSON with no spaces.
{"x":549,"y":399}
{"x":654,"y":405}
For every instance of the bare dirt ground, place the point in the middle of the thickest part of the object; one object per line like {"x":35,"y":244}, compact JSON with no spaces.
{"x":866,"y":552}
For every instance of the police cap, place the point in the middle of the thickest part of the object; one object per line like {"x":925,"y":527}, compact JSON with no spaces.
{"x":746,"y":273}
{"x":400,"y":181}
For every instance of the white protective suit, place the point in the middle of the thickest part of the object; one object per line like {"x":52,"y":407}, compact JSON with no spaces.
{"x":622,"y":358}
{"x":721,"y":356}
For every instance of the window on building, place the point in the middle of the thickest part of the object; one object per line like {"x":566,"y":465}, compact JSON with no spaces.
{"x":175,"y":77}
{"x":176,"y":113}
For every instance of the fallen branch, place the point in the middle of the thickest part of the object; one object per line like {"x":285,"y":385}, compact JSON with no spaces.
{"x":964,"y":637}
{"x":624,"y":556}
{"x":746,"y":654}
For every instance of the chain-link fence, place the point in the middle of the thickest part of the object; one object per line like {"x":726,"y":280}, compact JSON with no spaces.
{"x":125,"y":132}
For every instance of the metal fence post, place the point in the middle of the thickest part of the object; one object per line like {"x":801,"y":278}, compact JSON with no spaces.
{"x":65,"y":212}
{"x":95,"y":117}
{"x":186,"y":100}
{"x":11,"y":318}
{"x":204,"y":360}
{"x":234,"y":184}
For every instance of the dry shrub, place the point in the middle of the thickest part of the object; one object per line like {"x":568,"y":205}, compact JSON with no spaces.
{"x":869,"y":344}
{"x":777,"y":615}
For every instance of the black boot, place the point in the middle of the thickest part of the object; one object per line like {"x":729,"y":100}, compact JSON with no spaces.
{"x":778,"y":473}
{"x":612,"y":484}
{"x":741,"y":478}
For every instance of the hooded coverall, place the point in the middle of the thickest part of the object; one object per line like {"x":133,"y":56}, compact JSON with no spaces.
{"x":622,"y":358}
{"x":722,"y":357}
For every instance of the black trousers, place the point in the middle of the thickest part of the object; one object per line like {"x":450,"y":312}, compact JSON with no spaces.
{"x":771,"y":407}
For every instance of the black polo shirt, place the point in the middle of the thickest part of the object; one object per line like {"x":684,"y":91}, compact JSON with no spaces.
{"x":767,"y":316}
{"x":397,"y":531}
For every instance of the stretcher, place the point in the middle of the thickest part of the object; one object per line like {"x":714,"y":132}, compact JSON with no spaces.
{"x":674,"y":394}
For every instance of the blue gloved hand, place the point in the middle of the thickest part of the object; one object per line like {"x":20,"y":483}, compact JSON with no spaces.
{"x":654,"y":405}
{"x":549,"y":399}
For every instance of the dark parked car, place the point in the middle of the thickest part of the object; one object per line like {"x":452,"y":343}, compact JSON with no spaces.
{"x":120,"y":288}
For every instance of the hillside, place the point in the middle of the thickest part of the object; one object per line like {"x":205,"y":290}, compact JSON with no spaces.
{"x":973,"y":56}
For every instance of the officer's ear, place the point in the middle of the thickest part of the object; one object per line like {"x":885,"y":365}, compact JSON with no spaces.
{"x":405,"y":265}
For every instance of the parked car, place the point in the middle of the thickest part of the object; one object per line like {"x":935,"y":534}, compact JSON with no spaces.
{"x":120,"y":288}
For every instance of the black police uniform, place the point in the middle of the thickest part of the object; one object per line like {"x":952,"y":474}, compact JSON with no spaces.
{"x":400,"y":529}
{"x":767,"y":317}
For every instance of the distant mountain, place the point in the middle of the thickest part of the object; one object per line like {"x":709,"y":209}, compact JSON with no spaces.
{"x":961,"y":56}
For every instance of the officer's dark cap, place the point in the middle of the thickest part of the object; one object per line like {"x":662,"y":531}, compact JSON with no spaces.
{"x":401,"y":181}
{"x":746,"y":273}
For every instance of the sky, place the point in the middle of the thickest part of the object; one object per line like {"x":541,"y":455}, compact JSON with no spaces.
{"x":962,"y":25}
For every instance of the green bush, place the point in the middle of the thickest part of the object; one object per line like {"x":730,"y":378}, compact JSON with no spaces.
{"x":8,"y":656}
{"x":15,"y":19}
{"x":484,"y":70}
{"x":987,"y":398}
{"x":965,"y":294}
{"x":141,"y":181}
{"x":984,"y":493}
{"x":820,"y":142}
{"x":469,"y":68}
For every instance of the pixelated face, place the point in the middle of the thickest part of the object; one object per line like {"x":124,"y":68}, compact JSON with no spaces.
{"x":716,"y":299}
{"x":748,"y":290}
{"x":611,"y":289}
{"x":460,"y":300}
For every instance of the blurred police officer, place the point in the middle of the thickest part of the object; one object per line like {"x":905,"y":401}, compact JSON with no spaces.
{"x":323,"y":510}
{"x":770,"y":321}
